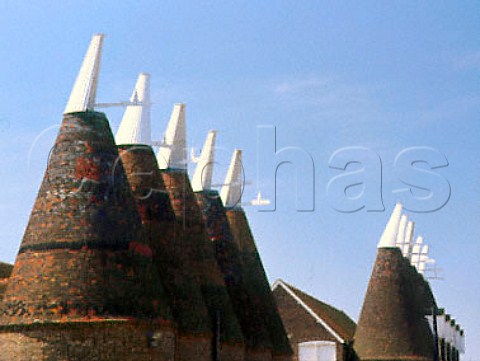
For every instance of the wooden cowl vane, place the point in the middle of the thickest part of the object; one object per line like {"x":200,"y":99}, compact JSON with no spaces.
{"x":158,"y":218}
{"x":253,"y":270}
{"x":246,"y":305}
{"x":392,"y":323}
{"x":172,"y":160}
{"x":84,"y":255}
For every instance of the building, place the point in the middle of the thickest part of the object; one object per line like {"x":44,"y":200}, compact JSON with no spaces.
{"x":116,"y":262}
{"x":317,"y":331}
{"x":399,"y":317}
{"x":124,"y":258}
{"x":5,"y":272}
{"x":253,"y":270}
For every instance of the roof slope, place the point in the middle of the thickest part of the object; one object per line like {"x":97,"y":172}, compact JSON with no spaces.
{"x":256,"y":277}
{"x":5,"y":272}
{"x":156,"y":213}
{"x":336,"y":319}
{"x":5,"y":269}
{"x":392,"y":323}
{"x":242,"y":293}
{"x":84,"y":221}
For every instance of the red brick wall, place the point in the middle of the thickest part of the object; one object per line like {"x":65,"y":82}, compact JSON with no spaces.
{"x":95,"y":341}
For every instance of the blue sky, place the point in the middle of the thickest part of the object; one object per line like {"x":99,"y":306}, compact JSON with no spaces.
{"x":327,"y":74}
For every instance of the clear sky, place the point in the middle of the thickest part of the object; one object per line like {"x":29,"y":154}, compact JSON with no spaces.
{"x":328,"y":74}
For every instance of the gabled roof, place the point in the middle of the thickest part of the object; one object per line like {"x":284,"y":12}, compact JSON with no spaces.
{"x":333,"y":320}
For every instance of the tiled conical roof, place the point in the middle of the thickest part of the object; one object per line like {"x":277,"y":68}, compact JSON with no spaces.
{"x":228,"y":255}
{"x":257,"y":279}
{"x":172,"y":160}
{"x":184,"y":293}
{"x":252,"y":269}
{"x":200,"y":252}
{"x":241,"y":288}
{"x":392,"y":323}
{"x":83,"y":253}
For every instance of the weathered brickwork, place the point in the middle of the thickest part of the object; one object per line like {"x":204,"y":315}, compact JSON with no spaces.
{"x":201,"y":253}
{"x":61,"y":285}
{"x":392,"y":325}
{"x":158,"y":218}
{"x":92,"y":341}
{"x":116,"y":264}
{"x":5,"y":272}
{"x":84,"y":257}
{"x":244,"y":298}
{"x":254,"y":274}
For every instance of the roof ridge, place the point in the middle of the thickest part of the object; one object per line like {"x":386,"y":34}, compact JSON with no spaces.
{"x":337,"y":319}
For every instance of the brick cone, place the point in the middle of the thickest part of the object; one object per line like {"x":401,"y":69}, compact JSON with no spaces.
{"x":247,"y":306}
{"x":158,"y":218}
{"x":255,"y":275}
{"x":392,"y":323}
{"x":83,"y":256}
{"x":201,"y":253}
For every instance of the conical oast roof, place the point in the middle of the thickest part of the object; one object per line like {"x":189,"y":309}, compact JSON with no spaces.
{"x":158,"y":218}
{"x":172,"y":160}
{"x":228,"y":256}
{"x":392,"y":323}
{"x":83,"y":254}
{"x":252,"y":270}
{"x":256,"y":277}
{"x":241,"y":289}
{"x":200,"y":252}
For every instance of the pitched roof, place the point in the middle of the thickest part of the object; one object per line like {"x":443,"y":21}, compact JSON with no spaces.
{"x":337,"y":322}
{"x":5,"y":269}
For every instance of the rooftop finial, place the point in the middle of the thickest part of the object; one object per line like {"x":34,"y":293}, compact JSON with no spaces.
{"x":135,"y":125}
{"x":407,"y":244}
{"x":231,"y":192}
{"x":416,"y":250}
{"x":389,"y":236}
{"x":401,"y":231}
{"x":83,"y":95}
{"x":423,"y":259}
{"x":202,"y":178}
{"x":173,"y":151}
